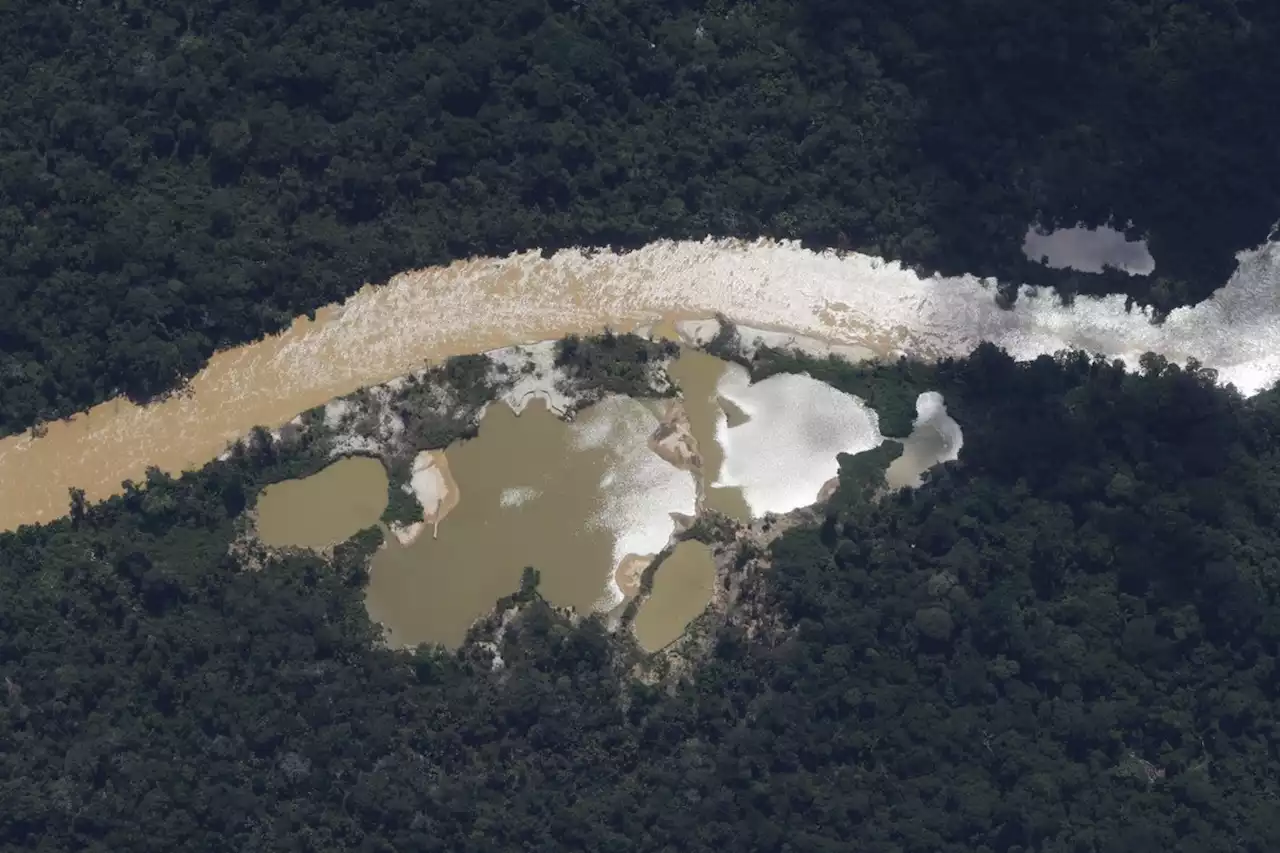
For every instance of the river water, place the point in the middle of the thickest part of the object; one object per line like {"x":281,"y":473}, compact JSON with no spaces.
{"x":471,"y":306}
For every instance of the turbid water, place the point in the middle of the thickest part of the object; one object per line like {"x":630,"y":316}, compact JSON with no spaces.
{"x":935,"y":438}
{"x":697,"y":374}
{"x":433,"y":589}
{"x":476,"y":305}
{"x":590,"y":502}
{"x":682,"y":588}
{"x":572,"y":500}
{"x":325,"y":508}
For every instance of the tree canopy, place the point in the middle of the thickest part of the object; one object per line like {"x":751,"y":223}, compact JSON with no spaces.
{"x":1065,"y":641}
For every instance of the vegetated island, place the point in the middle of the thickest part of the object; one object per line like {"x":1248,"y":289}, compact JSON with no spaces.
{"x":178,"y":179}
{"x":1066,"y":640}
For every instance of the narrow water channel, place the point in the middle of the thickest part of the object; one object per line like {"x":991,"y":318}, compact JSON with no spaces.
{"x":698,"y":375}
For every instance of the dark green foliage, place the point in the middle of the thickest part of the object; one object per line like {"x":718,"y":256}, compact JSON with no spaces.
{"x":1067,"y":641}
{"x":612,"y":364}
{"x":351,"y":558}
{"x":530,"y":578}
{"x":441,"y":406}
{"x":402,"y":505}
{"x":727,"y":342}
{"x":444,"y":404}
{"x":710,"y":528}
{"x":468,"y":378}
{"x":179,"y":178}
{"x":861,"y":476}
{"x":78,"y":505}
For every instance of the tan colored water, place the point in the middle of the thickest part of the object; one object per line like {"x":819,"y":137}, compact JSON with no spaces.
{"x":682,"y":589}
{"x":697,"y":373}
{"x":380,"y":333}
{"x":935,"y":438}
{"x":532,"y":494}
{"x":471,"y":306}
{"x":920,"y":452}
{"x":325,"y":508}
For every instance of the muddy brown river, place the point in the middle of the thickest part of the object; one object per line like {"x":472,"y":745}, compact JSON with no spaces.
{"x":475,"y":305}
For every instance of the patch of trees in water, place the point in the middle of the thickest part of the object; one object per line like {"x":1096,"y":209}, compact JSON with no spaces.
{"x":174,"y":179}
{"x":465,"y":385}
{"x":1065,"y":641}
{"x":609,"y":363}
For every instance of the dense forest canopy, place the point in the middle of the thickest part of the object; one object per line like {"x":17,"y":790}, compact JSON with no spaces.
{"x":1065,"y":642}
{"x":178,"y":177}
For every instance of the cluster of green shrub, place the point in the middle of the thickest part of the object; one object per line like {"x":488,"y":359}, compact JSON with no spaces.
{"x":442,"y":405}
{"x":609,"y":363}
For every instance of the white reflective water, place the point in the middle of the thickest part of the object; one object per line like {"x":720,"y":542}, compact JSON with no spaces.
{"x":785,"y":450}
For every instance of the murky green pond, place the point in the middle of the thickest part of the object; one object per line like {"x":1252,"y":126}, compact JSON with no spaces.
{"x":682,"y":589}
{"x":325,"y":508}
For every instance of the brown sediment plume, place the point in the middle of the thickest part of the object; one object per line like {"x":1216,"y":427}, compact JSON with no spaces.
{"x":666,"y":329}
